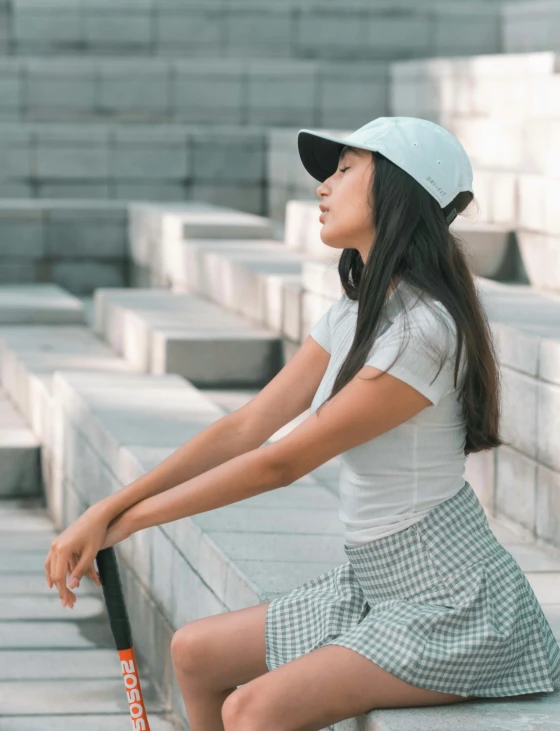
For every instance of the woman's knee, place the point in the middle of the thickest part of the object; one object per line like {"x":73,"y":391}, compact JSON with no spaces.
{"x":190,"y":646}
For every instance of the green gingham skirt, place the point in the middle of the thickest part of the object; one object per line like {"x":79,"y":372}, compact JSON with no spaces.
{"x":441,"y":605}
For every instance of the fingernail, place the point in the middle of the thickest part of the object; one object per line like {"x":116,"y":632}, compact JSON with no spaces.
{"x":73,"y":582}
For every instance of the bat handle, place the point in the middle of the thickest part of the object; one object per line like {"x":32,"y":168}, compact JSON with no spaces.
{"x":120,"y":627}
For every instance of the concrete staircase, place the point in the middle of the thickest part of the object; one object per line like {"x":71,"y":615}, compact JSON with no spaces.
{"x":109,"y":112}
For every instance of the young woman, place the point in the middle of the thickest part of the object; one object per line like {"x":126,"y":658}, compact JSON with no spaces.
{"x":429,"y":609}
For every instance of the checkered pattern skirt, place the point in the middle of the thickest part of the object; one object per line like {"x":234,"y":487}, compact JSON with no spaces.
{"x":441,"y":605}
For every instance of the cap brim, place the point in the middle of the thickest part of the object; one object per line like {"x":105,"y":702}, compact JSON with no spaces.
{"x":319,"y":153}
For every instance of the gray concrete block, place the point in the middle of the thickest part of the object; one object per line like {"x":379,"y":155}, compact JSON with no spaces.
{"x":202,"y":92}
{"x":53,"y":90}
{"x":129,"y":28}
{"x":459,"y":31}
{"x":81,"y":280}
{"x":281,"y":93}
{"x":229,"y":157}
{"x":100,"y":190}
{"x":155,"y":332}
{"x":519,"y":403}
{"x":166,"y":401}
{"x":155,"y":190}
{"x":84,"y":237}
{"x":135,"y":89}
{"x":18,"y":270}
{"x":80,"y":162}
{"x":261,"y":31}
{"x":547,"y":509}
{"x":38,"y":303}
{"x":40,"y":24}
{"x":150,"y":161}
{"x":198,"y":28}
{"x":515,"y":487}
{"x":548,"y":419}
{"x":22,"y":237}
{"x":15,"y":162}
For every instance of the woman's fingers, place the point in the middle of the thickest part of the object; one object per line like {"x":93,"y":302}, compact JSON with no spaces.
{"x":48,"y":569}
{"x":58,"y":573}
{"x":92,"y":574}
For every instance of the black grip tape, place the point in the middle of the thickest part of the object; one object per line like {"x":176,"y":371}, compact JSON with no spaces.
{"x":114,"y":597}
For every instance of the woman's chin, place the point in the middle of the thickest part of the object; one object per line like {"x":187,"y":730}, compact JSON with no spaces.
{"x":334,"y":242}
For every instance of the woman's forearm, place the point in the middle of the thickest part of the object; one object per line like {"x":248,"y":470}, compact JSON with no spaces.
{"x":220,"y":442}
{"x":238,"y":479}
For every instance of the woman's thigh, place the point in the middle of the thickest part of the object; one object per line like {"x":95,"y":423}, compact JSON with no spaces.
{"x":224,"y":650}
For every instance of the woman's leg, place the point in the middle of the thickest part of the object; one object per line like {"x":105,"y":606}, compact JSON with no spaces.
{"x":214,"y":655}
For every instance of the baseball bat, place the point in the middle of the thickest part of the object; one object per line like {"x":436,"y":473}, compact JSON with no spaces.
{"x":120,"y":627}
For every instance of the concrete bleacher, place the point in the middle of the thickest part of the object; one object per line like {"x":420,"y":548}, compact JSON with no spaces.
{"x":359,"y":29}
{"x":191,"y":110}
{"x":219,"y":164}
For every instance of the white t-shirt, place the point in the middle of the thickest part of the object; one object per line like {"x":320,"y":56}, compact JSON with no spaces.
{"x":392,"y":481}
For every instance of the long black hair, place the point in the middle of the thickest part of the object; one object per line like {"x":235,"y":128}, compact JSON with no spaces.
{"x":413,"y":243}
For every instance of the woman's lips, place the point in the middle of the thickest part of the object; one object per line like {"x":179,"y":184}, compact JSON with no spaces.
{"x":322,"y":215}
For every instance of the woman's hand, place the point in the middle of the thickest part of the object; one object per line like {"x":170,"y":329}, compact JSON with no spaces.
{"x":73,"y":551}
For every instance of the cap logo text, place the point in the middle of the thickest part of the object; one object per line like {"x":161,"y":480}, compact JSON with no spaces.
{"x":441,"y":191}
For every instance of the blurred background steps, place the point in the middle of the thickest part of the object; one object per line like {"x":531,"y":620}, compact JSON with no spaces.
{"x":20,"y":464}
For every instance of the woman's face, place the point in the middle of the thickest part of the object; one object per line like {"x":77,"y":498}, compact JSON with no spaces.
{"x":348,"y":222}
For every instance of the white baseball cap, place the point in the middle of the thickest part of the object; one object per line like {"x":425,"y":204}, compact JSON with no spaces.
{"x":425,"y":150}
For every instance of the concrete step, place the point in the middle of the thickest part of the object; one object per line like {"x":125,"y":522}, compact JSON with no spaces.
{"x":58,"y":671}
{"x":79,"y":245}
{"x":236,"y":91}
{"x":151,"y":224}
{"x":29,"y":355}
{"x":217,"y":163}
{"x":40,"y":303}
{"x":165,"y":332}
{"x":20,"y":452}
{"x":282,"y":29}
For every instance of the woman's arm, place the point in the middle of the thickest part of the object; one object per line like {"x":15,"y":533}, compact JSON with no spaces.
{"x":238,"y":479}
{"x":220,"y":442}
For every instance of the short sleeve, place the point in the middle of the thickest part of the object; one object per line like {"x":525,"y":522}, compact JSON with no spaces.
{"x":321,"y":330}
{"x":428,"y":341}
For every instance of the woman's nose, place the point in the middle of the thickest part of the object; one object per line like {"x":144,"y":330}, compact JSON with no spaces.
{"x":321,"y":190}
